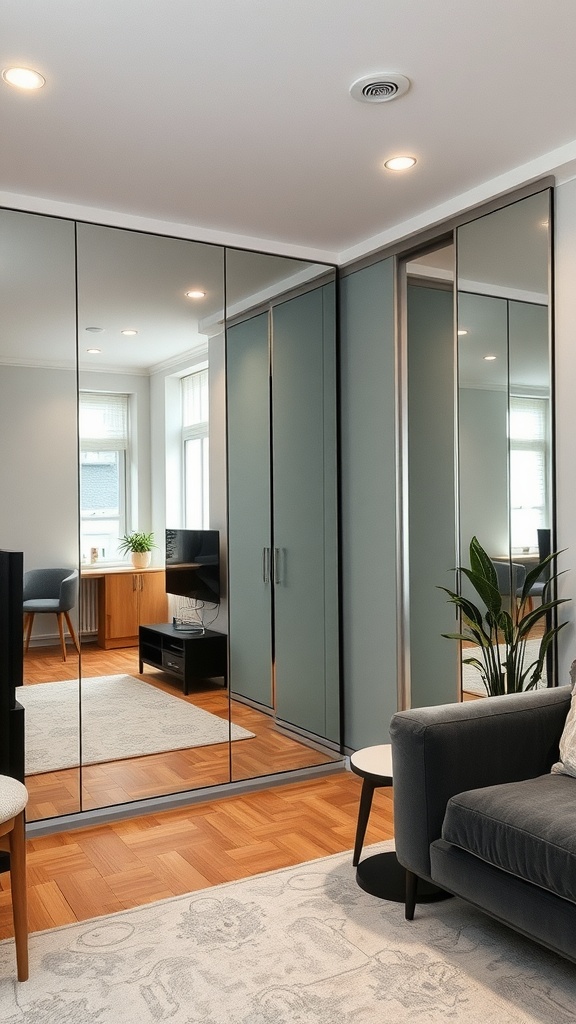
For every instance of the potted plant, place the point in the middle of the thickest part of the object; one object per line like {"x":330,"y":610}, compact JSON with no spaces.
{"x":140,"y":545}
{"x":500,"y":635}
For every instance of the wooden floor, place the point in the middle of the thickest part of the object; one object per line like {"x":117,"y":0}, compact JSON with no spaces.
{"x":90,"y":872}
{"x":99,"y":870}
{"x":103,"y":785}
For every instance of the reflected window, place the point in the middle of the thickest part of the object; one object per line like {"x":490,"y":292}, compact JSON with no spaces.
{"x":528,"y":471}
{"x":104,"y":439}
{"x":195,"y":444}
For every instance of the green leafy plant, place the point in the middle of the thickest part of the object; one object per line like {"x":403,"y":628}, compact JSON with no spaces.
{"x":501,"y":634}
{"x":137,"y":542}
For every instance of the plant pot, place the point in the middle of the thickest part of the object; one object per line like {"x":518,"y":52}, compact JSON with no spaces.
{"x":141,"y":559}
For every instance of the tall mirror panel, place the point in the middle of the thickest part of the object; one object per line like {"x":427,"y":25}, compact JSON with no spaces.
{"x":154,"y":689}
{"x":430,"y":498}
{"x":282,"y":513}
{"x":504,"y":395}
{"x":39,"y":511}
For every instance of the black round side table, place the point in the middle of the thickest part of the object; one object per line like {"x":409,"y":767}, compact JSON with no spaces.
{"x":380,"y":874}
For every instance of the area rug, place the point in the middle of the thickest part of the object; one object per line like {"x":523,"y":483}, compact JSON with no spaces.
{"x":304,"y":944}
{"x":121,"y":717}
{"x":471,"y":678}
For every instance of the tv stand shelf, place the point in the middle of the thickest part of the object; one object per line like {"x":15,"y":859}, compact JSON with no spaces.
{"x":188,"y":656}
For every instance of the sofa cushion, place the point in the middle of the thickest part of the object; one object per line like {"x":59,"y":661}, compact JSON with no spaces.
{"x":526,"y":828}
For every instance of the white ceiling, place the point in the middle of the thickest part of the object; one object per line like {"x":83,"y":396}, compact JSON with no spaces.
{"x":234,"y":116}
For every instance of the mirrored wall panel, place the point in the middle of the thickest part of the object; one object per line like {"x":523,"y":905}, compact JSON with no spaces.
{"x":151,"y":722}
{"x":430,"y":474}
{"x":504,"y":391}
{"x":39,"y":510}
{"x":134,"y":440}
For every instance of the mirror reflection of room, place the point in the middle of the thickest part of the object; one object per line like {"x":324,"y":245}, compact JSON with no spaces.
{"x":126,"y":434}
{"x":505,"y":399}
{"x":477,"y":368}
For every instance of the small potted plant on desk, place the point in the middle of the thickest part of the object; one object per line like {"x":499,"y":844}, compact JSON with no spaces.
{"x":140,"y":546}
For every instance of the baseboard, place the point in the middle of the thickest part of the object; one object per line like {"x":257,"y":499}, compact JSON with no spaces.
{"x":103,"y":815}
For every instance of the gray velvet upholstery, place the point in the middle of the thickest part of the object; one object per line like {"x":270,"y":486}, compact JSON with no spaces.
{"x":525,"y":828}
{"x":444,"y":751}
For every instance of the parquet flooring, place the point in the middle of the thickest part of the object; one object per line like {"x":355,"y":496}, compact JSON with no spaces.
{"x":107,"y":868}
{"x":57,"y":793}
{"x":89,"y":872}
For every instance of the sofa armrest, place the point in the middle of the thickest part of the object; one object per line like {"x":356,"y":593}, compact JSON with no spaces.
{"x":440,"y":751}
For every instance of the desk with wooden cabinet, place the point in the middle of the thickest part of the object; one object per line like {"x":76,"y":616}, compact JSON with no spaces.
{"x":127,"y":597}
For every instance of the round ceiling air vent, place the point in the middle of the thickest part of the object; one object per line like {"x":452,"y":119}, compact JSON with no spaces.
{"x":379,"y":88}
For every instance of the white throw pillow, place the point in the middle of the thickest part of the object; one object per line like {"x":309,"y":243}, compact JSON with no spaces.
{"x":567,"y":763}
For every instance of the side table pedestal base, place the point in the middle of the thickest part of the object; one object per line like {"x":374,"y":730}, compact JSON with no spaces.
{"x":381,"y":875}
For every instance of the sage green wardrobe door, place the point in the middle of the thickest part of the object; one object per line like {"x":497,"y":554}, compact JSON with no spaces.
{"x":304,"y":513}
{"x":249,"y":596}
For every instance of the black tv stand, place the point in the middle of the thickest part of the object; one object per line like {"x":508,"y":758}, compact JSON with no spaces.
{"x":188,"y":656}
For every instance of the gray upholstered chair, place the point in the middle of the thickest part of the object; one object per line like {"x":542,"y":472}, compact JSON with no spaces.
{"x":537,"y":589}
{"x":50,"y":591}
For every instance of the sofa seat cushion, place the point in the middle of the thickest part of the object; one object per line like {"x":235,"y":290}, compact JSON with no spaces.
{"x":526,"y":828}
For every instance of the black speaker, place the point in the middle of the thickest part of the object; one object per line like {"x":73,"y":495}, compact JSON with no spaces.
{"x":544,"y":542}
{"x":11,"y":664}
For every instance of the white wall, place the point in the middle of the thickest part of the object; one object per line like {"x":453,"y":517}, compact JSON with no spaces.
{"x":38,"y":427}
{"x":565,"y":326}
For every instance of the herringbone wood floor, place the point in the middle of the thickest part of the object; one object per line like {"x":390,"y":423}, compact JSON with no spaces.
{"x":90,"y":872}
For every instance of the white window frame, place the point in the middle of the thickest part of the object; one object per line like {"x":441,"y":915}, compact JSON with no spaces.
{"x":117,"y":440}
{"x":540,"y":445}
{"x":198,"y":431}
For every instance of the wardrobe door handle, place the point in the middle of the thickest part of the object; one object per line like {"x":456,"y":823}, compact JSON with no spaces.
{"x":266,"y":565}
{"x":276,"y":558}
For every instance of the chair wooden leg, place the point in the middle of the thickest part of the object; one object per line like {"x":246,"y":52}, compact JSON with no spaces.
{"x":28,"y":623}
{"x":17,"y":839}
{"x":60,"y":617}
{"x":72,"y":631}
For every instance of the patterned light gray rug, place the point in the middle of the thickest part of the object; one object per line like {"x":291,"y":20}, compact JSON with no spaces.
{"x":300,"y":946}
{"x":121,"y":717}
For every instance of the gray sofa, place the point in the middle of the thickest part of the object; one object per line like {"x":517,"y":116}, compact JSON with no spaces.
{"x":477,"y":812}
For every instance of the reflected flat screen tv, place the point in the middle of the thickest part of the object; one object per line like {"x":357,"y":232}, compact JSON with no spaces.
{"x":193,"y":564}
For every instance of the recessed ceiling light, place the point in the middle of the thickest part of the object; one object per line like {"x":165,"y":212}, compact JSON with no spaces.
{"x":489,"y":359}
{"x":23,"y":78}
{"x":94,"y":351}
{"x":129,"y":332}
{"x":94,"y":330}
{"x":462,"y":331}
{"x":400,"y":163}
{"x":195,"y":293}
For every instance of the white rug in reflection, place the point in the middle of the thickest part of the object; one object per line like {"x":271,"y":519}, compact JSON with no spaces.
{"x":121,"y":717}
